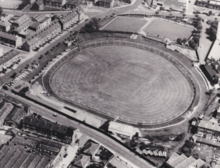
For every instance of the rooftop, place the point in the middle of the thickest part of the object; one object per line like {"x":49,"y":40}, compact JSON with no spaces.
{"x":197,"y":164}
{"x":118,"y":127}
{"x":209,"y":125}
{"x":8,"y":36}
{"x":81,"y":160}
{"x":208,"y":141}
{"x":35,"y":25}
{"x":21,"y":19}
{"x":4,"y":23}
{"x":45,"y":124}
{"x":175,"y":160}
{"x":186,"y":162}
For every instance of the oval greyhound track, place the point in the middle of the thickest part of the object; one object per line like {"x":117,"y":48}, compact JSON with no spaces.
{"x":135,"y":85}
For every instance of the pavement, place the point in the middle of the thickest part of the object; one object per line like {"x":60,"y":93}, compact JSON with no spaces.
{"x":205,"y":44}
{"x":106,"y":141}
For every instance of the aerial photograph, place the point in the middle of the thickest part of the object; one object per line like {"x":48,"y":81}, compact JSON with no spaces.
{"x":109,"y":83}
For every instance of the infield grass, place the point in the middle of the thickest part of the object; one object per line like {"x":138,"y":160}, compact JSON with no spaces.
{"x":134,"y":84}
{"x":167,"y":29}
{"x":126,"y":24}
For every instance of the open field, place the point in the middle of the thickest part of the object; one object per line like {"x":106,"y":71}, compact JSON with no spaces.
{"x":126,"y":24}
{"x":124,"y":81}
{"x":12,"y":4}
{"x":167,"y":29}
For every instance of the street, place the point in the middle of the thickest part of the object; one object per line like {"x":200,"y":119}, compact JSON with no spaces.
{"x":111,"y":144}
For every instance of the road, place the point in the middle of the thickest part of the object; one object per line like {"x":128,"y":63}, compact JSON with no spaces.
{"x":111,"y":144}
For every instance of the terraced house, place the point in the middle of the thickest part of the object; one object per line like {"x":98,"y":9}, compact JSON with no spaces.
{"x":68,"y":19}
{"x":47,"y":128}
{"x":213,"y":4}
{"x":9,"y":39}
{"x":4,"y":26}
{"x":42,"y":36}
{"x":54,"y":3}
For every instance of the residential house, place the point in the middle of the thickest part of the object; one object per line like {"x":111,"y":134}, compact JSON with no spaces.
{"x":90,"y":148}
{"x":22,"y":28}
{"x":82,"y":161}
{"x":203,"y":3}
{"x":177,"y":5}
{"x":208,"y":127}
{"x":54,"y":3}
{"x":20,"y":20}
{"x":214,"y":4}
{"x":181,"y":161}
{"x":15,"y":117}
{"x":68,"y":19}
{"x":106,"y":3}
{"x":37,"y":26}
{"x":47,"y":128}
{"x":42,"y":36}
{"x":71,"y":4}
{"x":49,"y":147}
{"x":38,"y":5}
{"x":9,"y":39}
{"x":4,"y":26}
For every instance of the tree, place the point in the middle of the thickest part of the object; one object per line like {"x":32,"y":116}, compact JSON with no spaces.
{"x":192,"y":43}
{"x":13,"y":75}
{"x":210,"y":13}
{"x":179,"y":41}
{"x":184,"y":15}
{"x":196,"y":39}
{"x":184,"y":40}
{"x":199,"y":25}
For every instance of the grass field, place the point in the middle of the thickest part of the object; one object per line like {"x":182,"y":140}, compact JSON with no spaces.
{"x":167,"y":29}
{"x":136,"y":85}
{"x":126,"y":24}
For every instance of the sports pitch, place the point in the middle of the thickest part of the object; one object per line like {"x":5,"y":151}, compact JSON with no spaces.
{"x":120,"y":81}
{"x":167,"y":29}
{"x":126,"y":24}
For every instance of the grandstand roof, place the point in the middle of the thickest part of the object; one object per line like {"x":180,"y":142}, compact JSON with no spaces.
{"x":121,"y":128}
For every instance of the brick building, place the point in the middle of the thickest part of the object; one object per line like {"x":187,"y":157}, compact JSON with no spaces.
{"x":47,"y":128}
{"x":54,"y":3}
{"x":68,"y":19}
{"x":4,"y":26}
{"x":105,"y":3}
{"x":9,"y":39}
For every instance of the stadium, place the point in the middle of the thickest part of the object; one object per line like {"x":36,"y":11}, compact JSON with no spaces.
{"x":135,"y":83}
